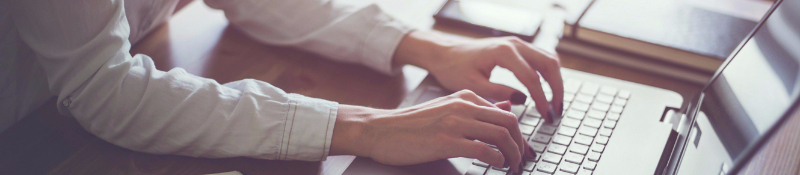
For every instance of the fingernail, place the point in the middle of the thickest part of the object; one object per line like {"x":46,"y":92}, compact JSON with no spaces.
{"x":548,"y":117}
{"x":533,"y":153}
{"x":552,"y":113}
{"x":518,"y":98}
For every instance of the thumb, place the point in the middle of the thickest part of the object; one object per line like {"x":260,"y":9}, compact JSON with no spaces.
{"x":504,"y":105}
{"x":499,"y":92}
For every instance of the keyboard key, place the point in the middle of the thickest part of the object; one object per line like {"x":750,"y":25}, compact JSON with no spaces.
{"x":574,"y":158}
{"x":608,"y":90}
{"x":546,"y":167}
{"x":613,"y":116}
{"x":593,"y":156}
{"x":583,"y":98}
{"x":475,"y":170}
{"x":589,"y":165}
{"x":541,"y":138}
{"x":532,"y":111}
{"x":552,"y":158}
{"x":579,"y":106}
{"x":598,"y":148}
{"x":582,"y":139}
{"x":575,"y":114}
{"x":587,"y":131}
{"x":615,"y":109}
{"x":599,"y":115}
{"x":528,"y":120}
{"x":567,"y":131}
{"x":584,"y":172}
{"x":620,"y":102}
{"x":605,"y":132}
{"x":495,"y":172}
{"x":537,"y":147}
{"x":547,"y":129}
{"x":517,"y":110}
{"x":569,"y":167}
{"x":480,"y":163}
{"x":563,"y":140}
{"x":556,"y":148}
{"x":571,"y":86}
{"x":590,"y":88}
{"x":601,"y":106}
{"x":610,"y":124}
{"x":539,"y":173}
{"x":570,"y":122}
{"x":529,"y":166}
{"x":601,"y":140}
{"x":568,"y":97}
{"x":579,"y":149}
{"x":501,"y":169}
{"x":602,"y":98}
{"x":591,"y":122}
{"x":562,"y":173}
{"x":526,"y":129}
{"x":624,"y":94}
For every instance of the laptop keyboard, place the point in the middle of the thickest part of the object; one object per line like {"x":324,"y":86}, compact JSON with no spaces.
{"x":573,"y":144}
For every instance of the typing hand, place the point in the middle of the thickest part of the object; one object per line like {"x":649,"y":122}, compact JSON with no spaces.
{"x":442,"y":128}
{"x":467,"y":64}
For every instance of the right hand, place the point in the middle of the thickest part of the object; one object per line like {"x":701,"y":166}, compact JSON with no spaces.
{"x":442,"y":128}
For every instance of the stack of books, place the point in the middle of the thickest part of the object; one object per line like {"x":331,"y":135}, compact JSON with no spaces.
{"x":676,"y":38}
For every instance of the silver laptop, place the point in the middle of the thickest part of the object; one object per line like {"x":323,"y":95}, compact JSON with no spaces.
{"x":616,"y":127}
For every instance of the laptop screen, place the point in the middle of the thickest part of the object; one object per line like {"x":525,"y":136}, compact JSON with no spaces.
{"x":755,"y":89}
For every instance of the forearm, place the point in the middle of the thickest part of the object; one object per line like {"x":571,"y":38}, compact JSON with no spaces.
{"x":422,"y":49}
{"x":364,"y":35}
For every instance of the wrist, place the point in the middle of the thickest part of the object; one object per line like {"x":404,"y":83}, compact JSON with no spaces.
{"x":422,"y":49}
{"x":351,"y":135}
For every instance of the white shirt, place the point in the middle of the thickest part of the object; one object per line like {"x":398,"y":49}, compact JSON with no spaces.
{"x":79,"y":52}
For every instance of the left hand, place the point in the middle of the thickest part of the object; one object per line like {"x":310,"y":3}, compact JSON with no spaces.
{"x":467,"y":65}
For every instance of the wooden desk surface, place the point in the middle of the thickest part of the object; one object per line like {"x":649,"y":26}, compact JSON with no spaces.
{"x":200,"y":40}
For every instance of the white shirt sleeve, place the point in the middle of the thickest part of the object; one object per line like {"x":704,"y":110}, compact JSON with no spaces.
{"x":84,"y":49}
{"x":365,"y":35}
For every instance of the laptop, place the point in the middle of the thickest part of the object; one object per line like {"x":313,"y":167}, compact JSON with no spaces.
{"x":616,"y":127}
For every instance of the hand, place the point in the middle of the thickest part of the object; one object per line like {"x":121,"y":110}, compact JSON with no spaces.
{"x":442,"y":128}
{"x":467,"y":65}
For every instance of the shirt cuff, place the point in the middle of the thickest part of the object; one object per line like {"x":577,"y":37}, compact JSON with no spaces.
{"x":382,"y":41}
{"x":309,"y":128}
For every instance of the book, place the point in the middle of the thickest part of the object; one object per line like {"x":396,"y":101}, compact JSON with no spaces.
{"x":671,"y":31}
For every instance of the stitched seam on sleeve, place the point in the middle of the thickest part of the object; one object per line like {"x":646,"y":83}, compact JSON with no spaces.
{"x":288,"y":108}
{"x":327,"y":126}
{"x":291,"y":127}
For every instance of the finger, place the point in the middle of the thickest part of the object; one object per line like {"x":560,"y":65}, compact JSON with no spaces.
{"x":504,"y":105}
{"x":527,"y":75}
{"x":502,"y":119}
{"x":496,"y":135}
{"x":476,"y":150}
{"x":529,"y":153}
{"x":549,"y":66}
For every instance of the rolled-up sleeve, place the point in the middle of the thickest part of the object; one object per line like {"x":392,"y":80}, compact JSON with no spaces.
{"x":84,"y":49}
{"x":364,"y":35}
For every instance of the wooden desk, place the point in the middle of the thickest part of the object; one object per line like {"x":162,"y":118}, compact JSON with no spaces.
{"x":200,"y":40}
